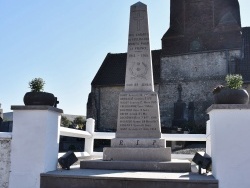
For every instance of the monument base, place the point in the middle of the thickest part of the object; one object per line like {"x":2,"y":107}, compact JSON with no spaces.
{"x":169,"y":166}
{"x":137,"y":154}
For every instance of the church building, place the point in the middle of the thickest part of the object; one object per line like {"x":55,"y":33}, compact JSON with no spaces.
{"x":204,"y":43}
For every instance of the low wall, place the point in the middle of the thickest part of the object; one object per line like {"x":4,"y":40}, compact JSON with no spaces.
{"x":5,"y":141}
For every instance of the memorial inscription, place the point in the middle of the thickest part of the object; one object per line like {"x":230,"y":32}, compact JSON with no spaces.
{"x":139,"y":66}
{"x":137,"y":112}
{"x":138,"y":143}
{"x":138,"y":115}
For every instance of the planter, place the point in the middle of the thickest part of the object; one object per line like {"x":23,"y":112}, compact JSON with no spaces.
{"x":231,"y":96}
{"x":39,"y":98}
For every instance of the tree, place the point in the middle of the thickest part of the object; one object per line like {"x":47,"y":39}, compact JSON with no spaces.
{"x":80,"y":122}
{"x":36,"y":85}
{"x":65,"y":122}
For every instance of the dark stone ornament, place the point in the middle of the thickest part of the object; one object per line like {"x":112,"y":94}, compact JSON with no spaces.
{"x":231,"y":96}
{"x":179,"y":110}
{"x":67,"y":160}
{"x":191,"y":109}
{"x":39,"y":98}
{"x":179,"y":88}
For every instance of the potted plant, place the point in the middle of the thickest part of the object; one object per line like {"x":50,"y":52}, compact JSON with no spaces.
{"x":36,"y":96}
{"x":232,"y":93}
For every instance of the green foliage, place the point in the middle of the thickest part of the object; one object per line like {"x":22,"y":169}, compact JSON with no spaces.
{"x":6,"y":119}
{"x":80,"y":122}
{"x":36,"y":85}
{"x":65,"y":122}
{"x":234,"y":81}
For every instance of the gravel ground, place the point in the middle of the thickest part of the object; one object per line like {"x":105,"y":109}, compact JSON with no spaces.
{"x":190,"y":149}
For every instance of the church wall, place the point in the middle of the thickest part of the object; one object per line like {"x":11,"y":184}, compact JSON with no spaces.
{"x":198,"y":74}
{"x":109,"y":106}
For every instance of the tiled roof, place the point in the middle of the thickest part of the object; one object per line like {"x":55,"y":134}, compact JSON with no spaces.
{"x":113,"y":68}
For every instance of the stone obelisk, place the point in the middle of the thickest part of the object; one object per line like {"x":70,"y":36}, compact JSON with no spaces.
{"x":138,"y":136}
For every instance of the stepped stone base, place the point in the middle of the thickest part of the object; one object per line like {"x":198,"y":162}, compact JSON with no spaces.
{"x":137,"y":154}
{"x":86,"y":178}
{"x":169,"y":166}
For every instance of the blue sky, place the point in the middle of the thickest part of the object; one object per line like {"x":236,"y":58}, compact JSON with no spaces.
{"x":65,"y":41}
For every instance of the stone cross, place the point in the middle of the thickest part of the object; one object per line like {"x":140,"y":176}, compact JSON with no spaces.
{"x":179,"y":88}
{"x":138,"y":18}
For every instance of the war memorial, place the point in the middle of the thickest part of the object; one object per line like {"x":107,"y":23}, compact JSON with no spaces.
{"x":138,"y":156}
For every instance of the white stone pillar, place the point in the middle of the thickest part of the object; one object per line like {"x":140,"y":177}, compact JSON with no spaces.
{"x":89,"y":142}
{"x":230,"y":139}
{"x":35,"y":144}
{"x":208,"y":139}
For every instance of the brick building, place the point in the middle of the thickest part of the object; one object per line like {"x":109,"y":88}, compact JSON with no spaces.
{"x":203,"y":44}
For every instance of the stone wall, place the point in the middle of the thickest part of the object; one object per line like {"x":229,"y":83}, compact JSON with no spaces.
{"x":4,"y":161}
{"x":109,"y":107}
{"x":103,"y":107}
{"x":198,"y":74}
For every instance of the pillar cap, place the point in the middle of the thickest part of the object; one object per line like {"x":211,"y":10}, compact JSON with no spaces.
{"x":36,"y":107}
{"x":228,"y":107}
